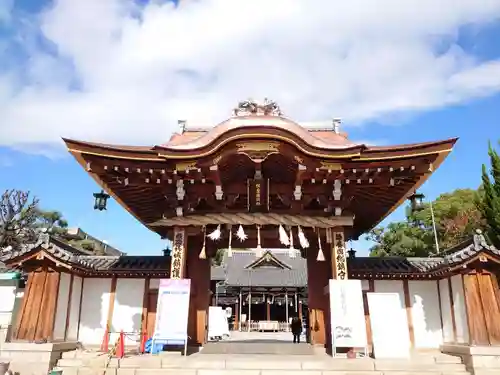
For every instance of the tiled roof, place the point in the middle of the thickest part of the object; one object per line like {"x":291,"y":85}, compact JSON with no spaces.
{"x":393,"y":265}
{"x":469,"y":249}
{"x":244,"y":269}
{"x":157,"y":263}
{"x":218,"y":273}
{"x":238,"y":273}
{"x":93,"y":263}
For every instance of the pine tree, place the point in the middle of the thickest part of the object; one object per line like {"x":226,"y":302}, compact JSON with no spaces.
{"x":489,"y":202}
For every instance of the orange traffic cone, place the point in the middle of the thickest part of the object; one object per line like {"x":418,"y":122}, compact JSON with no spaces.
{"x":120,"y":350}
{"x":105,"y":342}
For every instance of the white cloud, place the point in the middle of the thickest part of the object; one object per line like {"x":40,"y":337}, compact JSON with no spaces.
{"x":319,"y":59}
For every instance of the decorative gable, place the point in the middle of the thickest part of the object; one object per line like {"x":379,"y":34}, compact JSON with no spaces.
{"x":268,"y":260}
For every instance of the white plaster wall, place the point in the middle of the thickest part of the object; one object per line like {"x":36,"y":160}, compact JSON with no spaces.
{"x":365,"y":285}
{"x":394,"y":286}
{"x":154,"y":283}
{"x":426,"y":317}
{"x":444,"y":293}
{"x":94,"y":310}
{"x":457,"y":288}
{"x":127,"y":309}
{"x":74,"y":309}
{"x":8,"y":290}
{"x":62,"y":306}
{"x":390,"y":286}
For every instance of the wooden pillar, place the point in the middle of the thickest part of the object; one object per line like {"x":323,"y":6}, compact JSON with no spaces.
{"x":371,"y":289}
{"x":318,"y":275}
{"x":249,"y":311}
{"x":145,"y":306}
{"x":240,"y":310}
{"x":236,"y":315}
{"x":268,"y":309}
{"x":409,"y":314}
{"x":198,"y":270}
{"x":109,"y":323}
{"x":286,"y":308}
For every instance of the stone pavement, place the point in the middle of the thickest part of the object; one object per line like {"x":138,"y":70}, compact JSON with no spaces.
{"x":250,"y":343}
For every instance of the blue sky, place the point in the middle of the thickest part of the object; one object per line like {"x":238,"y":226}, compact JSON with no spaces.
{"x":113,"y":72}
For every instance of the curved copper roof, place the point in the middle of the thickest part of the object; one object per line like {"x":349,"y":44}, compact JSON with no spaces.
{"x":197,"y":139}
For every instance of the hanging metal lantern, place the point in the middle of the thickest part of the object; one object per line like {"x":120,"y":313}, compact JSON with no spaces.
{"x":101,"y":200}
{"x":416,"y":202}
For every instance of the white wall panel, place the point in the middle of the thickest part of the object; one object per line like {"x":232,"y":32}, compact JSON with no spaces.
{"x":424,"y":302}
{"x":94,"y":310}
{"x":62,"y":306}
{"x":127,"y":309}
{"x":74,"y":309}
{"x":444,"y":293}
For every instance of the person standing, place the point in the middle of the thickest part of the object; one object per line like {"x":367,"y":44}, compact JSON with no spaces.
{"x":296,"y":327}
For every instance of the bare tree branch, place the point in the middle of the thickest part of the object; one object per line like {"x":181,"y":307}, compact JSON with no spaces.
{"x":17,"y":218}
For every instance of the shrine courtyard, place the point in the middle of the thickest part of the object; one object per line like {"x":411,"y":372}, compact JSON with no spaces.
{"x":258,"y":181}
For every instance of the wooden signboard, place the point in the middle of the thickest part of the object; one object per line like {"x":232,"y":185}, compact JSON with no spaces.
{"x":258,"y":195}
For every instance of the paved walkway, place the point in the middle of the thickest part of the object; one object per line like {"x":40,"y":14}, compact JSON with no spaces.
{"x":253,"y":343}
{"x":260,"y":336}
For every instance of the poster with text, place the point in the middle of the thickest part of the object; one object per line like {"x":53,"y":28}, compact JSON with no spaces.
{"x":172,"y":309}
{"x":347,"y":314}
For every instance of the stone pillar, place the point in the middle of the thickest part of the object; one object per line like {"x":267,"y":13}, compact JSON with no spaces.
{"x":198,"y":270}
{"x":318,"y":275}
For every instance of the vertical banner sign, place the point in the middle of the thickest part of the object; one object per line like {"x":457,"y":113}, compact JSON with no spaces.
{"x":339,"y":257}
{"x":178,"y":256}
{"x":347,"y":314}
{"x":172,"y":312}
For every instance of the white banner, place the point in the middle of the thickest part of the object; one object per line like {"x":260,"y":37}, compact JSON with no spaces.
{"x":347,"y":314}
{"x":391,"y":338}
{"x":172,"y":311}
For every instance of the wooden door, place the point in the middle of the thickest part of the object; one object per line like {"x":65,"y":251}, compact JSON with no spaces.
{"x":151,"y":314}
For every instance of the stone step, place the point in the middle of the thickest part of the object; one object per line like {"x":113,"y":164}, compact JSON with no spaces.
{"x":262,"y":365}
{"x":316,"y":366}
{"x":166,"y":371}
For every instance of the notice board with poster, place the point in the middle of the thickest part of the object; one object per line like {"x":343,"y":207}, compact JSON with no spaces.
{"x":347,"y":315}
{"x":172,"y":313}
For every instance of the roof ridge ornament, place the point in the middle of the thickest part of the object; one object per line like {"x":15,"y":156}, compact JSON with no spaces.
{"x":251,"y":107}
{"x":480,"y":241}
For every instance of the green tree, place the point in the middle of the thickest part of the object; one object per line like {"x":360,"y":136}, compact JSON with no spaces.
{"x":53,"y":221}
{"x":488,"y":202}
{"x":218,"y":257}
{"x":456,"y":216}
{"x":400,"y":239}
